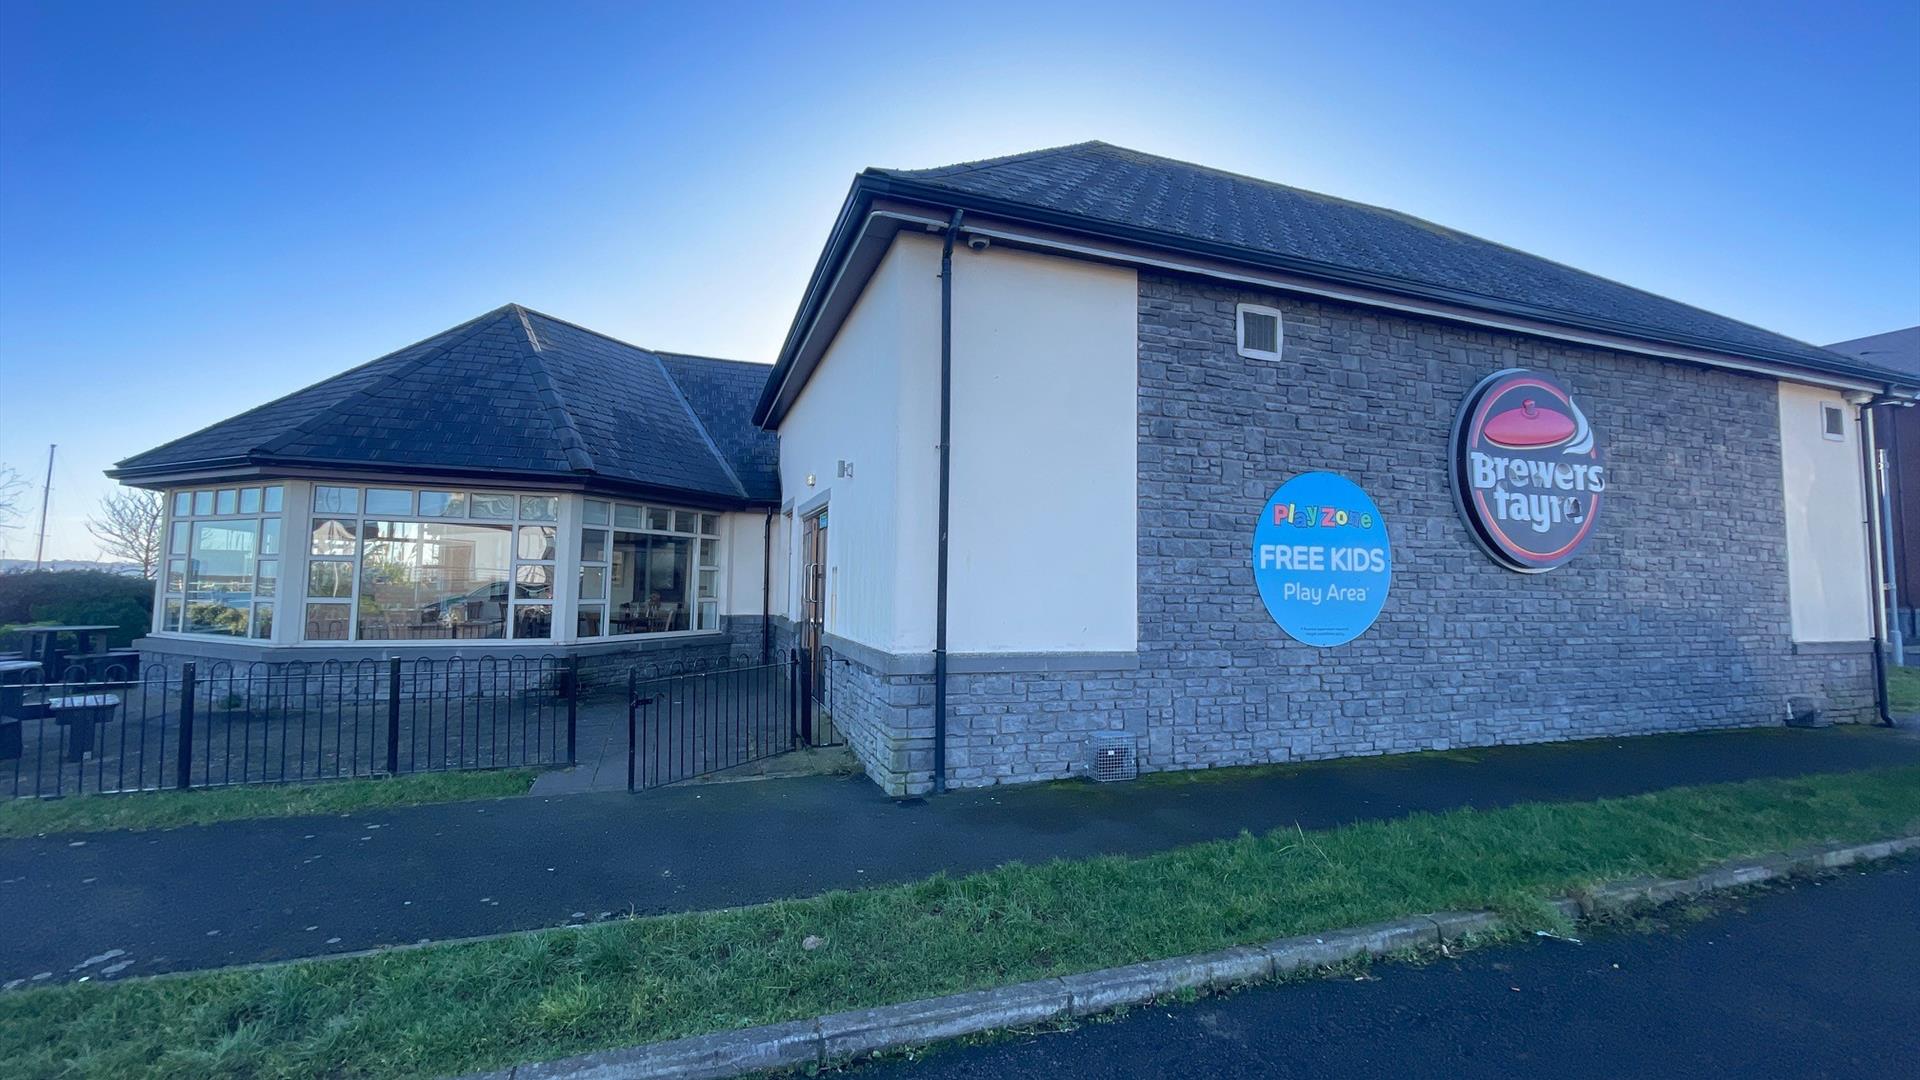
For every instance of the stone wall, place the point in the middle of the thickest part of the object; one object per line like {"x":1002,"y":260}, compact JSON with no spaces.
{"x":1674,"y":618}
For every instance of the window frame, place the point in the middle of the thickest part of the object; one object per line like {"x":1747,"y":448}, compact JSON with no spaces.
{"x":1828,"y":408}
{"x":1240,"y":313}
{"x":644,"y":516}
{"x":182,"y":507}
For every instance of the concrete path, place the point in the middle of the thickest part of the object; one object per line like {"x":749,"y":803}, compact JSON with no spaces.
{"x":239,"y":892}
{"x":1812,"y":980}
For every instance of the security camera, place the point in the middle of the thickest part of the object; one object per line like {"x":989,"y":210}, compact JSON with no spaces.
{"x":977,"y":242}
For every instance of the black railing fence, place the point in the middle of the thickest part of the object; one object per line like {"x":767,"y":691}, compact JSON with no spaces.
{"x":221,"y":725}
{"x":684,"y":726}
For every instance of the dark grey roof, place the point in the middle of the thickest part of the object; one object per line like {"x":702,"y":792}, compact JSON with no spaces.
{"x":1896,"y":349}
{"x":1096,"y":184}
{"x":511,"y":392}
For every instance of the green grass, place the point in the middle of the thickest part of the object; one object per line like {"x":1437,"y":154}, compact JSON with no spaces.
{"x":1903,"y":689}
{"x":477,"y":1005}
{"x":168,"y":809}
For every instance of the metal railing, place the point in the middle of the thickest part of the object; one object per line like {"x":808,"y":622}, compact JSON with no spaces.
{"x":222,"y":725}
{"x":683,"y":726}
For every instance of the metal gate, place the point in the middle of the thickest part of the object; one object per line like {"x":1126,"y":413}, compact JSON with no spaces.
{"x":684,"y":726}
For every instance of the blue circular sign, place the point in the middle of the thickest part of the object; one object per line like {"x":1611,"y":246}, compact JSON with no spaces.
{"x":1322,"y":559}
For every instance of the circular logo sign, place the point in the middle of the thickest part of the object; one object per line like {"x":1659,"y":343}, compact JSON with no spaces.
{"x":1322,"y":559}
{"x":1529,"y":473}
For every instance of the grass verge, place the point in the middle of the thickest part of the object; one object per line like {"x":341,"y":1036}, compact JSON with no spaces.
{"x":168,"y":809}
{"x":477,"y":1005}
{"x":1903,"y":689}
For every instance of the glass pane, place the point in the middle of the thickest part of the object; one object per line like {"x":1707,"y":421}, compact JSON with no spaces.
{"x":593,"y":545}
{"x":226,"y":501}
{"x":709,"y":553}
{"x":336,"y":500}
{"x":710,"y":615}
{"x":539,"y":508}
{"x":176,"y":575}
{"x":533,"y":583}
{"x":710,"y":524}
{"x":249,"y":500}
{"x":686,"y":521}
{"x":490,"y":507}
{"x":627,"y":517}
{"x":263,"y":620}
{"x":659,"y":520}
{"x":170,"y":616}
{"x":593,"y":583}
{"x":329,"y":578}
{"x":326,"y":622}
{"x":219,"y":616}
{"x":220,"y":574}
{"x":268,"y":579}
{"x":270,"y":536}
{"x":596,"y":512}
{"x":182,"y":503}
{"x":452,"y":504}
{"x":649,"y":583}
{"x":270,"y":499}
{"x":178,"y":544}
{"x":709,"y":584}
{"x":533,"y":621}
{"x":592,"y":623}
{"x":203,"y":502}
{"x":331,"y":536}
{"x":536,"y":542}
{"x":434,"y":580}
{"x":390,"y":501}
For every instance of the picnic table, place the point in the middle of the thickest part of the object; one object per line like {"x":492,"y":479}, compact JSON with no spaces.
{"x":14,"y":675}
{"x":80,"y":714}
{"x":43,"y":644}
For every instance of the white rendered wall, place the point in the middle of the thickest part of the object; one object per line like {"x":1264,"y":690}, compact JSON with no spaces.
{"x":1044,"y":545}
{"x":743,"y":539}
{"x":1825,"y":499}
{"x":855,"y":409}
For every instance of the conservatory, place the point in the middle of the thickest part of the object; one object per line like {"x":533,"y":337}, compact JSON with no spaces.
{"x":543,"y":488}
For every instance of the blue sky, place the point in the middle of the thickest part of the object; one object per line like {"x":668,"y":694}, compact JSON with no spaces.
{"x":205,"y":206}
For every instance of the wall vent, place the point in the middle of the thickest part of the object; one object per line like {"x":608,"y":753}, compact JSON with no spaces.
{"x":1113,"y":756}
{"x":1261,"y":331}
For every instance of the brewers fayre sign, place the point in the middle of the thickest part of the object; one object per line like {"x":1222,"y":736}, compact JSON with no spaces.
{"x":1529,"y":473}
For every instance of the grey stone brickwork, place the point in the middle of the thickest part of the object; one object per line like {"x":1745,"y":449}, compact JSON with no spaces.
{"x":1674,"y":618}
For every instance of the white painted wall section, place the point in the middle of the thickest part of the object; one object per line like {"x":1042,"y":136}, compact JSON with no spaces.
{"x":1825,"y":511}
{"x":744,"y":553}
{"x":1044,"y":535}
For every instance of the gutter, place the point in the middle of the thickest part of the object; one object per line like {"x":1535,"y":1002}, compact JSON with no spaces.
{"x":946,"y":473}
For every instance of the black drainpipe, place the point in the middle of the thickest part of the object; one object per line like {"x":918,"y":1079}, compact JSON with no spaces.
{"x":1878,"y":555}
{"x":946,"y":460}
{"x":766,"y":594}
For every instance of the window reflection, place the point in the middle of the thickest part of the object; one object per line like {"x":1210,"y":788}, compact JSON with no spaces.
{"x":649,"y":583}
{"x":433,"y":580}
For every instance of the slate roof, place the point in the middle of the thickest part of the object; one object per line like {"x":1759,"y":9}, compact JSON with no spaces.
{"x":1097,"y":184}
{"x":1896,"y":349}
{"x":511,"y":392}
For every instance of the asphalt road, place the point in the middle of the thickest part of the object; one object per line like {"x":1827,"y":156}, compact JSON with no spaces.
{"x":1812,"y":980}
{"x":140,"y":903}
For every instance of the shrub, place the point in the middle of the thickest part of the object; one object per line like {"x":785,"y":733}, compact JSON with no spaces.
{"x":78,"y":597}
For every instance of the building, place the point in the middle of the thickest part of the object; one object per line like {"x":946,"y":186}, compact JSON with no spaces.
{"x":1046,"y":453}
{"x":1899,"y":430}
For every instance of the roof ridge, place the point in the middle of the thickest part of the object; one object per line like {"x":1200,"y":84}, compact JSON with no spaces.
{"x":1004,"y":159}
{"x":698,"y":424}
{"x":711,"y":359}
{"x":572,"y":445}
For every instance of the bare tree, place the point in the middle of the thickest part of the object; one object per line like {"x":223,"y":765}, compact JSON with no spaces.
{"x":128,"y":527}
{"x":12,"y":491}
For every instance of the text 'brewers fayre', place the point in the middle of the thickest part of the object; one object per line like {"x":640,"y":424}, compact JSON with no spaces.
{"x":1321,"y":559}
{"x":1529,"y":473}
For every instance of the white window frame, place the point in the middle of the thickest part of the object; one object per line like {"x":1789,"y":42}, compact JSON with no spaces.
{"x":1833,"y":408}
{"x":217,"y":495}
{"x":1240,"y":313}
{"x":699,"y":605}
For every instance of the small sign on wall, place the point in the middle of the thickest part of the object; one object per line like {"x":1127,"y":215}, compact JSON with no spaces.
{"x":1529,"y":472}
{"x":1322,"y":559}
